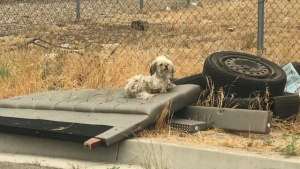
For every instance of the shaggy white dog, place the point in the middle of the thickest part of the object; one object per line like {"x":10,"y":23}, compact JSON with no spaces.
{"x":145,"y":87}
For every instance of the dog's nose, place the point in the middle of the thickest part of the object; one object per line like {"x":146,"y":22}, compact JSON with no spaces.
{"x":166,"y":67}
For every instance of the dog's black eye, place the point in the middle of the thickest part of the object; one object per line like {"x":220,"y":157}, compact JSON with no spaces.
{"x":161,"y":64}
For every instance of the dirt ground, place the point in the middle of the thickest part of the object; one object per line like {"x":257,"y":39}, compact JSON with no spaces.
{"x":185,"y":34}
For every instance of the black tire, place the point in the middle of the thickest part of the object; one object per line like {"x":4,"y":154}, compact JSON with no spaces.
{"x":282,"y":107}
{"x":197,"y":79}
{"x":286,"y":105}
{"x":244,"y":74}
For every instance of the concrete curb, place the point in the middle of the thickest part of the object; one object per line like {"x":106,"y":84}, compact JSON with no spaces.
{"x":148,"y":152}
{"x":177,"y":156}
{"x":31,"y":160}
{"x":17,"y":144}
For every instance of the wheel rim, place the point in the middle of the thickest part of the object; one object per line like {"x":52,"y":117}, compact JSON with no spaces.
{"x":247,"y":66}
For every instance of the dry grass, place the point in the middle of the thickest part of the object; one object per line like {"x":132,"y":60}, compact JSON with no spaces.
{"x":288,"y":126}
{"x":211,"y":97}
{"x":163,"y":120}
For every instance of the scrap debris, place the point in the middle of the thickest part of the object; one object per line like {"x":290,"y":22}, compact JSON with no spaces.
{"x":38,"y":41}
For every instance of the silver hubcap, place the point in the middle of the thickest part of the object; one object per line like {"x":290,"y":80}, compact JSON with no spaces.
{"x":247,"y":67}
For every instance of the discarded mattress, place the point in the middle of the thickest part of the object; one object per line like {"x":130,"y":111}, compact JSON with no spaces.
{"x":77,"y":116}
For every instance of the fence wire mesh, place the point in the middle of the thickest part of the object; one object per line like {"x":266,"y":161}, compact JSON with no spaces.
{"x":282,"y":31}
{"x":44,"y":46}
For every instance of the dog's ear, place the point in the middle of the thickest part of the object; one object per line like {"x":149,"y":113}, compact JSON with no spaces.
{"x":153,"y":68}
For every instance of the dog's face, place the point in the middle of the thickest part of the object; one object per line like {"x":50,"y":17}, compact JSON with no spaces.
{"x":162,"y":66}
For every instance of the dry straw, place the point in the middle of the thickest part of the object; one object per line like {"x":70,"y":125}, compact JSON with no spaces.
{"x":164,"y":118}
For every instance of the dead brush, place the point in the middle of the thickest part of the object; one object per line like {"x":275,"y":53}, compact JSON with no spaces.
{"x":162,"y":127}
{"x":211,"y":98}
{"x":260,"y":103}
{"x":164,"y":119}
{"x":290,"y":125}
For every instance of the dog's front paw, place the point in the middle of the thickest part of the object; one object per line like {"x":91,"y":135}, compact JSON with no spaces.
{"x":171,"y":86}
{"x":162,"y":91}
{"x":149,"y":96}
{"x":144,"y":95}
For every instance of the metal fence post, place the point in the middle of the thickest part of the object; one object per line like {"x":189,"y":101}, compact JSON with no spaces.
{"x":78,"y":9}
{"x":141,"y":5}
{"x":260,"y":30}
{"x":188,"y":2}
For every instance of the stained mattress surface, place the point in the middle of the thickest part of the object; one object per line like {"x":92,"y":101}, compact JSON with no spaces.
{"x":65,"y":114}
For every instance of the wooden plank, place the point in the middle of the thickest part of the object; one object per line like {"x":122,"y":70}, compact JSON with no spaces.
{"x":92,"y":143}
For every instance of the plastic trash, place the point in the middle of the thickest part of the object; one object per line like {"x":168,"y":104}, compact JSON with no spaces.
{"x":293,"y":79}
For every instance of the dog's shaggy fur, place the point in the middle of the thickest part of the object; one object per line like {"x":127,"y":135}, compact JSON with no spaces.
{"x":145,"y":87}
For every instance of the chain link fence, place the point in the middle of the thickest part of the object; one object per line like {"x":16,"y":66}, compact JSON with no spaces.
{"x":282,"y":31}
{"x":100,"y":43}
